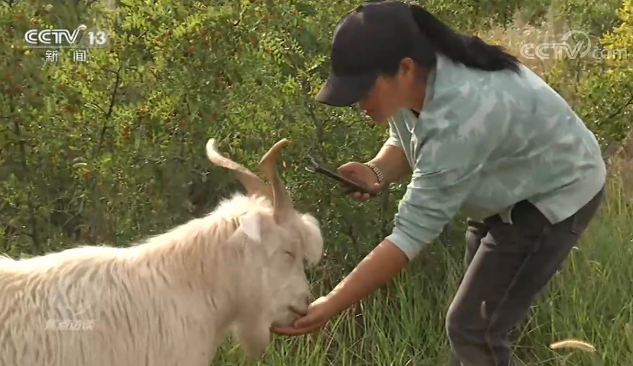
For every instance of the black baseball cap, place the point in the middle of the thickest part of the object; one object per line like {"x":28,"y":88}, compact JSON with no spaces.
{"x":372,"y":38}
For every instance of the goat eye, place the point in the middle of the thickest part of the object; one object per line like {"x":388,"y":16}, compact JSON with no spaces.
{"x":290,"y":254}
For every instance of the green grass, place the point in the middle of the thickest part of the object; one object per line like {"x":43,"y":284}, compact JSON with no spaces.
{"x":591,"y":299}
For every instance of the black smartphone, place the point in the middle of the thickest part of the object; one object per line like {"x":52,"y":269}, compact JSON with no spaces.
{"x":352,"y":187}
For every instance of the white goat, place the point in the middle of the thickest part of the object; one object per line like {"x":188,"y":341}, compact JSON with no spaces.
{"x":172,"y":299}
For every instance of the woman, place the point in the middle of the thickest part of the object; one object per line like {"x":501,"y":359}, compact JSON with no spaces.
{"x":480,"y":132}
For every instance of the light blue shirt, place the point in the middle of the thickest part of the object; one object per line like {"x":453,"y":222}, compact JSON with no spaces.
{"x":485,"y":141}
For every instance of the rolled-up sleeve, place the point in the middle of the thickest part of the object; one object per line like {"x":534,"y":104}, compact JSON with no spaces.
{"x":393,"y":139}
{"x":431,"y":200}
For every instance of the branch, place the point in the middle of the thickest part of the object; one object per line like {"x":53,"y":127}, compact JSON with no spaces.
{"x":108,"y":115}
{"x":117,"y":84}
{"x":621,"y":109}
{"x":95,"y":106}
{"x":239,"y":20}
{"x":25,"y":167}
{"x":183,"y":134}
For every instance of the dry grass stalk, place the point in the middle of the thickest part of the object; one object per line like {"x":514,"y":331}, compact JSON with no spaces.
{"x":573,"y":343}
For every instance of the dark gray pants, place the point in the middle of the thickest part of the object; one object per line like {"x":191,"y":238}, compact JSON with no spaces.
{"x":507,"y":267}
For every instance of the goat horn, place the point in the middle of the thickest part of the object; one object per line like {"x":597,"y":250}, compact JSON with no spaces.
{"x":253,"y":184}
{"x":281,"y":199}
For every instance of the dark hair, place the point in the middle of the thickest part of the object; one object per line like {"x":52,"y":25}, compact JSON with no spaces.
{"x":471,"y":51}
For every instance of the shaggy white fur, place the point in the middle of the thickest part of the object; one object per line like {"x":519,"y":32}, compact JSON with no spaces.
{"x":170,"y":300}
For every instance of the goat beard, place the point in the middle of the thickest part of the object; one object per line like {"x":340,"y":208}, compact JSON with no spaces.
{"x":253,"y":335}
{"x":251,"y":327}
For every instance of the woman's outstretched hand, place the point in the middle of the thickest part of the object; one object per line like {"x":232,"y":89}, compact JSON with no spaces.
{"x":375,"y":270}
{"x":361,"y":174}
{"x":319,"y":313}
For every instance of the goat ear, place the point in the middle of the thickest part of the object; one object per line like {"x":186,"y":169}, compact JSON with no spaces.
{"x":282,"y":202}
{"x":249,"y":180}
{"x":251,"y":225}
{"x":312,"y":240}
{"x":251,"y":231}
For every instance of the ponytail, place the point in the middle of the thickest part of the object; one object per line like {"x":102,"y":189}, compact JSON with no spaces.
{"x":471,"y":51}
